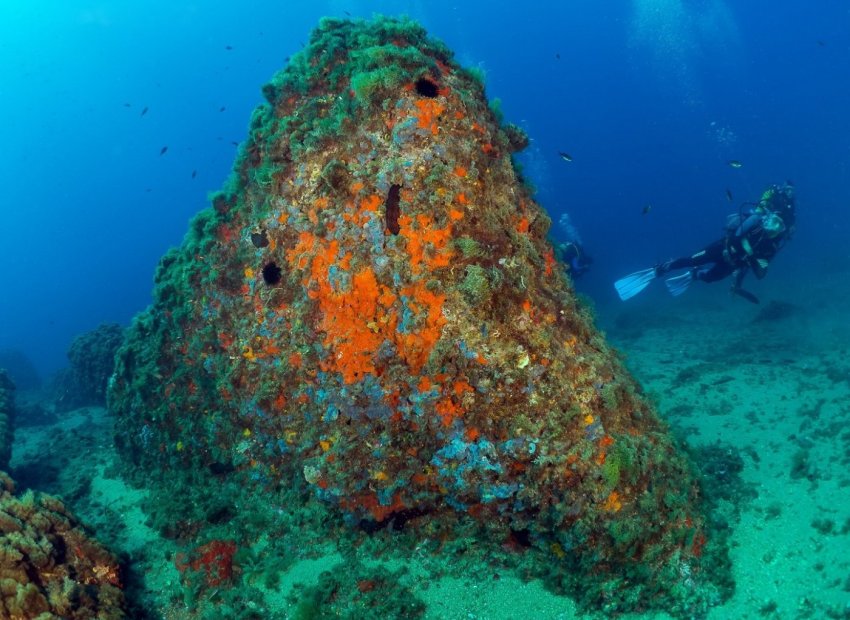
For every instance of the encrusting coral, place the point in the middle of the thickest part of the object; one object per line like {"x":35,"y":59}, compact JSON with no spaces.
{"x":50,"y":568}
{"x":371,"y":311}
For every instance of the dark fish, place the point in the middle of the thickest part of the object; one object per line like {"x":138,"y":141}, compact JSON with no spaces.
{"x":222,"y":109}
{"x":646,"y":209}
{"x":194,"y":173}
{"x":565,"y":156}
{"x":145,"y":111}
{"x":347,"y":13}
{"x":228,"y":47}
{"x":821,"y":43}
{"x":729,"y":195}
{"x":558,"y":56}
{"x":128,"y":105}
{"x":734,"y":163}
{"x":163,"y":150}
{"x":234,"y":143}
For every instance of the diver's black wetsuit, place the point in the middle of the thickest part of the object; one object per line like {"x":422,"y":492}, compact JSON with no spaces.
{"x":710,"y":254}
{"x":751,"y":241}
{"x":749,"y":246}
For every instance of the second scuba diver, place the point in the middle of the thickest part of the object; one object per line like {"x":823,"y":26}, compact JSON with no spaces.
{"x":751,"y":241}
{"x":575,"y":259}
{"x":570,"y":251}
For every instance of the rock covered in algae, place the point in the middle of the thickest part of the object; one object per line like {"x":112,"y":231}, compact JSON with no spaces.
{"x":92,"y":361}
{"x":7,"y":418}
{"x":50,"y":568}
{"x":371,"y":309}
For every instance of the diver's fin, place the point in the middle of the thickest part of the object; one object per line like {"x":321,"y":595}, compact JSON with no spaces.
{"x":679,"y":284}
{"x":746,"y":295}
{"x":634,"y":283}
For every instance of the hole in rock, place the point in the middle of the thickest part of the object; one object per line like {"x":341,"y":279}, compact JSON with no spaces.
{"x":426,"y":88}
{"x":259,"y":239}
{"x":521,"y":537}
{"x":272,"y":274}
{"x":392,"y":209}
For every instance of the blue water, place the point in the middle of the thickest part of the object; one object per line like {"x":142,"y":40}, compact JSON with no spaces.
{"x":651,"y":98}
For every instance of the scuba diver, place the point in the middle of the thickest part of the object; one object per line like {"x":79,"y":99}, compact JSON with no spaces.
{"x":751,"y":240}
{"x":575,"y":259}
{"x":571,"y":251}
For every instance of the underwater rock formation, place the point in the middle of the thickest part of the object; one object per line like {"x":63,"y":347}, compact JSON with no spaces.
{"x":20,"y":369}
{"x":49,"y":566}
{"x":7,"y":418}
{"x":92,"y":358}
{"x":371,"y":310}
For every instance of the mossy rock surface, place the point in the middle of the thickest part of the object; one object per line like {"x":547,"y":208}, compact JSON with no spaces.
{"x":370,"y":313}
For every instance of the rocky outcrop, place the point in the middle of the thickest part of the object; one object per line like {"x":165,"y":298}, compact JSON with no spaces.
{"x":92,"y":361}
{"x":7,"y":418}
{"x":371,"y":310}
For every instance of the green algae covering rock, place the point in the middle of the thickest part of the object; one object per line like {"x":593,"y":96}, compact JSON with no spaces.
{"x":92,"y":361}
{"x":371,"y":310}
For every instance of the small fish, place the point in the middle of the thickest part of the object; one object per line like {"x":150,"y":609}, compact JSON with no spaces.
{"x":821,"y":43}
{"x":557,"y":57}
{"x":128,"y":105}
{"x":222,"y":109}
{"x":234,"y":143}
{"x":565,"y":156}
{"x":734,"y":163}
{"x":646,"y":209}
{"x":347,"y":13}
{"x":194,"y":173}
{"x":162,"y":151}
{"x":145,"y":111}
{"x":228,"y":47}
{"x":729,"y":195}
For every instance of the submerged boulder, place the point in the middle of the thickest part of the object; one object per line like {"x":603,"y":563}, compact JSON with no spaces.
{"x":371,"y":310}
{"x":92,"y":361}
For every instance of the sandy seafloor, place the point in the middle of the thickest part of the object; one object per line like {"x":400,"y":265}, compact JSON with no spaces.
{"x":771,"y":382}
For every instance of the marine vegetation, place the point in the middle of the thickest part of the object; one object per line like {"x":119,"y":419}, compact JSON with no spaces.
{"x":92,"y":360}
{"x":50,"y":566}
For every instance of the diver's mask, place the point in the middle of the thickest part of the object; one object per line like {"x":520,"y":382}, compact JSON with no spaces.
{"x":772,"y":224}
